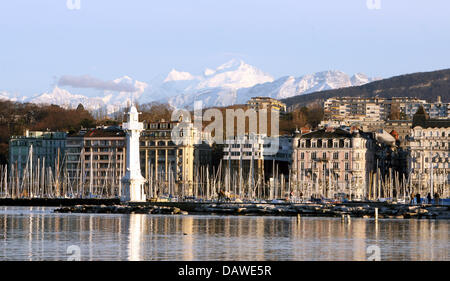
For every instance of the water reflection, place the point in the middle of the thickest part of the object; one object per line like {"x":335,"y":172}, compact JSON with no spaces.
{"x":37,"y":234}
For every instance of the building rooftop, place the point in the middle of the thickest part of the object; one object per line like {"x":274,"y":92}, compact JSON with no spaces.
{"x":327,"y":133}
{"x":330,"y":133}
{"x":100,"y":133}
{"x":422,"y":119}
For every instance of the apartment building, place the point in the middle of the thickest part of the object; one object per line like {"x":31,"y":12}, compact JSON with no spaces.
{"x":95,"y":161}
{"x":268,"y":103}
{"x":333,"y":161}
{"x":169,"y":155}
{"x":429,"y":154}
{"x":258,"y":154}
{"x":37,"y":146}
{"x":376,"y":108}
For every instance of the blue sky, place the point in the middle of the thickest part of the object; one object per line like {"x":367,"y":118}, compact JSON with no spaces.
{"x":43,"y":40}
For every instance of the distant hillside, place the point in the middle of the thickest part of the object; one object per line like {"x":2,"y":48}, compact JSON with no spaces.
{"x":422,"y":85}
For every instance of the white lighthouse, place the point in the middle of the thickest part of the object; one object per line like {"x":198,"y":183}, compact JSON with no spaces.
{"x":133,"y":181}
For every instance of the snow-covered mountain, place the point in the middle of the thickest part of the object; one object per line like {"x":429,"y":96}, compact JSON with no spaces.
{"x":231,"y":83}
{"x":109,"y":100}
{"x":213,"y":86}
{"x":65,"y":99}
{"x":223,"y":94}
{"x":11,"y":97}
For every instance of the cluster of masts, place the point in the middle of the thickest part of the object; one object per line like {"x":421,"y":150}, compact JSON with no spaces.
{"x":38,"y":179}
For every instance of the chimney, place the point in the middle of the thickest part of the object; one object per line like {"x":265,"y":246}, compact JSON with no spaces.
{"x":354,"y":129}
{"x":305,"y":130}
{"x":439,"y":99}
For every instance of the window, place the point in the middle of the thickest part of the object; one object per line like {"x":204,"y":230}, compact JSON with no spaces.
{"x":313,"y":155}
{"x":335,"y":155}
{"x":346,"y":156}
{"x":302,"y":155}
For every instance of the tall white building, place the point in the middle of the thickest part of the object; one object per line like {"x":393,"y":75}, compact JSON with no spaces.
{"x":258,"y":154}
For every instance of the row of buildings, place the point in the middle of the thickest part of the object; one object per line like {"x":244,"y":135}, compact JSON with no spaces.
{"x":372,"y":159}
{"x":95,"y":158}
{"x":421,"y":154}
{"x":356,"y":109}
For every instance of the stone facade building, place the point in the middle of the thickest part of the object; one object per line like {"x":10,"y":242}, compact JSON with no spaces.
{"x":164,"y":160}
{"x":329,"y":162}
{"x":429,"y":155}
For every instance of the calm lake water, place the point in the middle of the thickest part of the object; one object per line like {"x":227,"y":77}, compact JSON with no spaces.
{"x":35,"y":233}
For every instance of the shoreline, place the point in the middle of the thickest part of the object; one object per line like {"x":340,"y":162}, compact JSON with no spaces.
{"x":344,"y":210}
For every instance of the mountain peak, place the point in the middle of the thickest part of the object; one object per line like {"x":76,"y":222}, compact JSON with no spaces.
{"x":231,"y":64}
{"x":175,"y":75}
{"x":234,"y":74}
{"x":359,"y":79}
